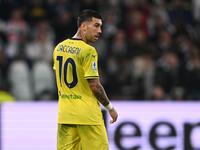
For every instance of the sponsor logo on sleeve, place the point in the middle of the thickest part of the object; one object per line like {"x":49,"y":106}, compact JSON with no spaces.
{"x":94,"y":66}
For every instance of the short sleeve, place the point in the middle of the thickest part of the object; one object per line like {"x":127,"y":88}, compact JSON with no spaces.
{"x":54,"y":66}
{"x":90,"y":64}
{"x":54,"y":59}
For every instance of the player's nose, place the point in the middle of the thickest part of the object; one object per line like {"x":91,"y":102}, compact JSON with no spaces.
{"x":99,"y":31}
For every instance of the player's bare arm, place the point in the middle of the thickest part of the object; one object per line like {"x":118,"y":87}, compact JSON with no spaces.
{"x":98,"y":91}
{"x":101,"y":96}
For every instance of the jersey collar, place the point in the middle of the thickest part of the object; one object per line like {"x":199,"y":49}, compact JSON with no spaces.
{"x":75,"y":39}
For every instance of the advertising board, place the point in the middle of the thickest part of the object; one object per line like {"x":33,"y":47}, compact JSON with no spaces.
{"x":155,"y":126}
{"x":140,"y":126}
{"x":28,"y":126}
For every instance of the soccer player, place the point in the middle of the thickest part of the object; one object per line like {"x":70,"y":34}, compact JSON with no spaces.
{"x":80,"y":121}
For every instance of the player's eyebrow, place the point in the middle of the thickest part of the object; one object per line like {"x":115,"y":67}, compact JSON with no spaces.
{"x":97,"y":24}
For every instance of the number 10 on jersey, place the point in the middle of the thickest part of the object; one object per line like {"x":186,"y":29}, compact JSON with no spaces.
{"x":63,"y":73}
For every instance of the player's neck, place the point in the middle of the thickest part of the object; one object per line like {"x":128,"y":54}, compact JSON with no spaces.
{"x":79,"y":35}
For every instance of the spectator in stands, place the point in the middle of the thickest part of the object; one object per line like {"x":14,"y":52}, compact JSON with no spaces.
{"x":184,"y":46}
{"x":118,"y":64}
{"x":137,"y":21}
{"x":17,"y":50}
{"x":7,"y":6}
{"x":167,"y":73}
{"x":65,"y":26}
{"x":109,"y":27}
{"x":140,"y":5}
{"x":165,"y":43}
{"x":118,"y":46}
{"x":41,"y":49}
{"x":159,"y":94}
{"x":142,"y":76}
{"x":159,"y":11}
{"x":140,"y":45}
{"x":180,"y":12}
{"x":195,"y":10}
{"x":192,"y":75}
{"x":16,"y":26}
{"x":43,"y":26}
{"x":57,"y":7}
{"x":36,"y":11}
{"x":181,"y":16}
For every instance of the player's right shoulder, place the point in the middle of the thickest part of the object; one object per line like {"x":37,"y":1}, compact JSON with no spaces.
{"x":89,"y":49}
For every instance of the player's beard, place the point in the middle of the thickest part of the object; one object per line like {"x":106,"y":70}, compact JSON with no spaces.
{"x":96,"y":37}
{"x":92,"y":39}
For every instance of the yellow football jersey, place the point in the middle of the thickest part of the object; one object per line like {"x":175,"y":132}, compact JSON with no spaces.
{"x":74,"y":63}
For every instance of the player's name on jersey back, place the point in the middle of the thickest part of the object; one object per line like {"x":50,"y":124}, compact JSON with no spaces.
{"x":69,"y":49}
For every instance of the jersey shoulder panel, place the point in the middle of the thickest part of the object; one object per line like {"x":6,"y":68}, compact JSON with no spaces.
{"x":88,"y":51}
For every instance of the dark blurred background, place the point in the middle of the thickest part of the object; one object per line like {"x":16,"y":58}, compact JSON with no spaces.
{"x":149,"y":49}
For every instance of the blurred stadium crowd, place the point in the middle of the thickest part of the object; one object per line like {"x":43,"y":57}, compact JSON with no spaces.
{"x":149,"y":49}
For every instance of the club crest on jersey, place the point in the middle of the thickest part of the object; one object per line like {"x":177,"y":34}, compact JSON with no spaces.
{"x":94,"y":66}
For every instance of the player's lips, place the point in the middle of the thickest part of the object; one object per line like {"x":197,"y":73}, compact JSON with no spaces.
{"x":96,"y":37}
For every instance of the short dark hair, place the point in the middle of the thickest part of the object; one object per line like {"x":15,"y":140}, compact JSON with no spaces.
{"x":87,"y":15}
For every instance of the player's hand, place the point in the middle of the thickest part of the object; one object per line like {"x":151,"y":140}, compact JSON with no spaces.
{"x":114,"y":115}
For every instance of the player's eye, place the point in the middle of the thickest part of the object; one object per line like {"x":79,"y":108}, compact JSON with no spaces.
{"x":97,"y":25}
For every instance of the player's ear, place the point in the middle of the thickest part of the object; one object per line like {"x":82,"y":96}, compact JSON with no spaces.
{"x":83,"y":26}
